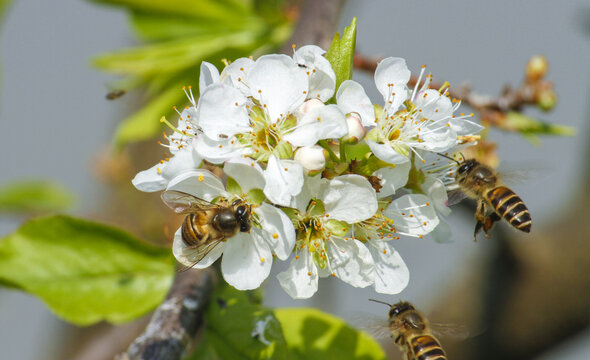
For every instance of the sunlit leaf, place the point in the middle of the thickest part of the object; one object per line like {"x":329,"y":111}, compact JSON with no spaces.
{"x":85,"y":271}
{"x":530,"y":127}
{"x":34,"y":196}
{"x":312,"y":334}
{"x":341,"y":53}
{"x":238,"y":328}
{"x":199,"y":8}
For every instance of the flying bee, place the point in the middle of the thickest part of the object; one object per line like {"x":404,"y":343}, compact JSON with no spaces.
{"x":482,"y":183}
{"x":115,"y":94}
{"x":206,"y":224}
{"x":411,"y":332}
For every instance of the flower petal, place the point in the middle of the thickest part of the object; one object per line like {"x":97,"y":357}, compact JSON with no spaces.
{"x":279,"y":84}
{"x":246,"y":262}
{"x":392,"y":178}
{"x":199,"y":183}
{"x":324,"y":122}
{"x":434,"y":106}
{"x":412,"y":215}
{"x":236,"y":74}
{"x":436,"y":190}
{"x":284,"y":180}
{"x":187,"y":256}
{"x":157,"y":177}
{"x":465,"y":127}
{"x":442,"y":233}
{"x":389,"y":71}
{"x":300,"y":280}
{"x":277,"y":230}
{"x":222,"y":111}
{"x":351,"y":97}
{"x":322,"y":79}
{"x":351,"y":261}
{"x":349,"y":198}
{"x":246,"y":172}
{"x":386,"y":153}
{"x":216,"y":151}
{"x":391,"y":273}
{"x":209,"y":75}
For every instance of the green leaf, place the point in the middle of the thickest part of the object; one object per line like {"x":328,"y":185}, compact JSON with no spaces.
{"x":85,"y":271}
{"x":312,"y":334}
{"x":341,"y":53}
{"x":199,"y":8}
{"x":241,"y":329}
{"x":529,"y":126}
{"x":34,"y":196}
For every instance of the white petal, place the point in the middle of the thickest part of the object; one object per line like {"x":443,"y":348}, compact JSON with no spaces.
{"x":246,"y":172}
{"x":322,"y":79}
{"x":442,"y":233}
{"x":187,"y":256}
{"x":246,"y":262}
{"x":436,"y":190}
{"x":284,"y":180}
{"x":312,"y":158}
{"x":351,"y":261}
{"x":209,"y":75}
{"x":434,"y":106}
{"x":465,"y":127}
{"x":325,"y":122}
{"x":351,"y":97}
{"x":222,"y":111}
{"x":157,"y":177}
{"x":391,"y":273}
{"x":217,"y":151}
{"x":437,"y":141}
{"x":389,"y":71}
{"x":199,"y":183}
{"x":386,"y":153}
{"x":311,"y":189}
{"x":300,"y":280}
{"x":350,"y":198}
{"x":236,"y":74}
{"x":412,"y":214}
{"x":392,"y":178}
{"x":279,"y":83}
{"x":277,"y":230}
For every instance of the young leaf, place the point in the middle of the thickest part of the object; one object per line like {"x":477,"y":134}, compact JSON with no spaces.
{"x":312,"y":334}
{"x":238,"y":328}
{"x":85,"y":271}
{"x":34,"y":196}
{"x":341,"y":53}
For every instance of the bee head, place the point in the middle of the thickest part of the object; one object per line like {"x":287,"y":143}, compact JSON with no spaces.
{"x":466,"y":166}
{"x":243,"y":216}
{"x":399,"y":308}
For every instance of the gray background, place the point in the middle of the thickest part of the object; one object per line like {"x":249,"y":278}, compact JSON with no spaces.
{"x":54,"y":121}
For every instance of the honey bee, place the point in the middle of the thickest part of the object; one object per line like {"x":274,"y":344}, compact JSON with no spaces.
{"x":482,"y":183}
{"x":115,"y":94}
{"x":411,"y":332}
{"x":206,"y":224}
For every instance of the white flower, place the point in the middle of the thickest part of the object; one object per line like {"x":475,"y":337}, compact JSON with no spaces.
{"x":184,"y":157}
{"x":312,"y":158}
{"x":322,"y":79}
{"x":326,"y":208}
{"x":247,"y":257}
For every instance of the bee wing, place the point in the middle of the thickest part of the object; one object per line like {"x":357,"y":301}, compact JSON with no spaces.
{"x":454,"y":331}
{"x":376,"y":326}
{"x":191,"y":255}
{"x":455,"y":196}
{"x":183,"y":203}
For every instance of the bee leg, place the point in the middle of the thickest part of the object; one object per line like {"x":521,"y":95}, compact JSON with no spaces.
{"x":489,"y":222}
{"x":480,"y":215}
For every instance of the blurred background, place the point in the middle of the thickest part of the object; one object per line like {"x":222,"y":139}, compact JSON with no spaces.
{"x":56,"y":124}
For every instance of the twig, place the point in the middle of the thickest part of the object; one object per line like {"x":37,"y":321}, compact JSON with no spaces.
{"x":176,"y":321}
{"x":317,"y":24}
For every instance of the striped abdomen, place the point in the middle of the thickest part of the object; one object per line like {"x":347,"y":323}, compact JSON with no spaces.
{"x":191,"y":233}
{"x":426,"y":347}
{"x":511,"y":207}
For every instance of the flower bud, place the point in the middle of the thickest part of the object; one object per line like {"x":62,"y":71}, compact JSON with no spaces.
{"x":308,"y":106}
{"x":546,"y":99}
{"x":536,"y":68}
{"x":312,"y":158}
{"x":356,"y":131}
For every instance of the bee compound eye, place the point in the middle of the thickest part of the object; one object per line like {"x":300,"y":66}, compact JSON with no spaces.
{"x":463,"y":168}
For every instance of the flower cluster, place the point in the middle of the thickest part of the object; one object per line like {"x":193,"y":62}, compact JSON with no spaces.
{"x":329,"y":178}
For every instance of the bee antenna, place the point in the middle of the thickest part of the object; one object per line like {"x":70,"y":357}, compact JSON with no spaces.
{"x":450,"y":158}
{"x":381,"y":302}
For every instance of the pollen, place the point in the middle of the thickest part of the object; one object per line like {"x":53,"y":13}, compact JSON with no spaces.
{"x":275,"y":236}
{"x":385,"y":251}
{"x":425,"y":223}
{"x":262,"y":259}
{"x":201,"y":178}
{"x":159,"y":170}
{"x":309,"y":273}
{"x":333,"y":274}
{"x":427,"y":204}
{"x":297,"y":257}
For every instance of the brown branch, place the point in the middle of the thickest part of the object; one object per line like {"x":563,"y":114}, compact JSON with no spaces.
{"x":176,"y":321}
{"x":317,"y":24}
